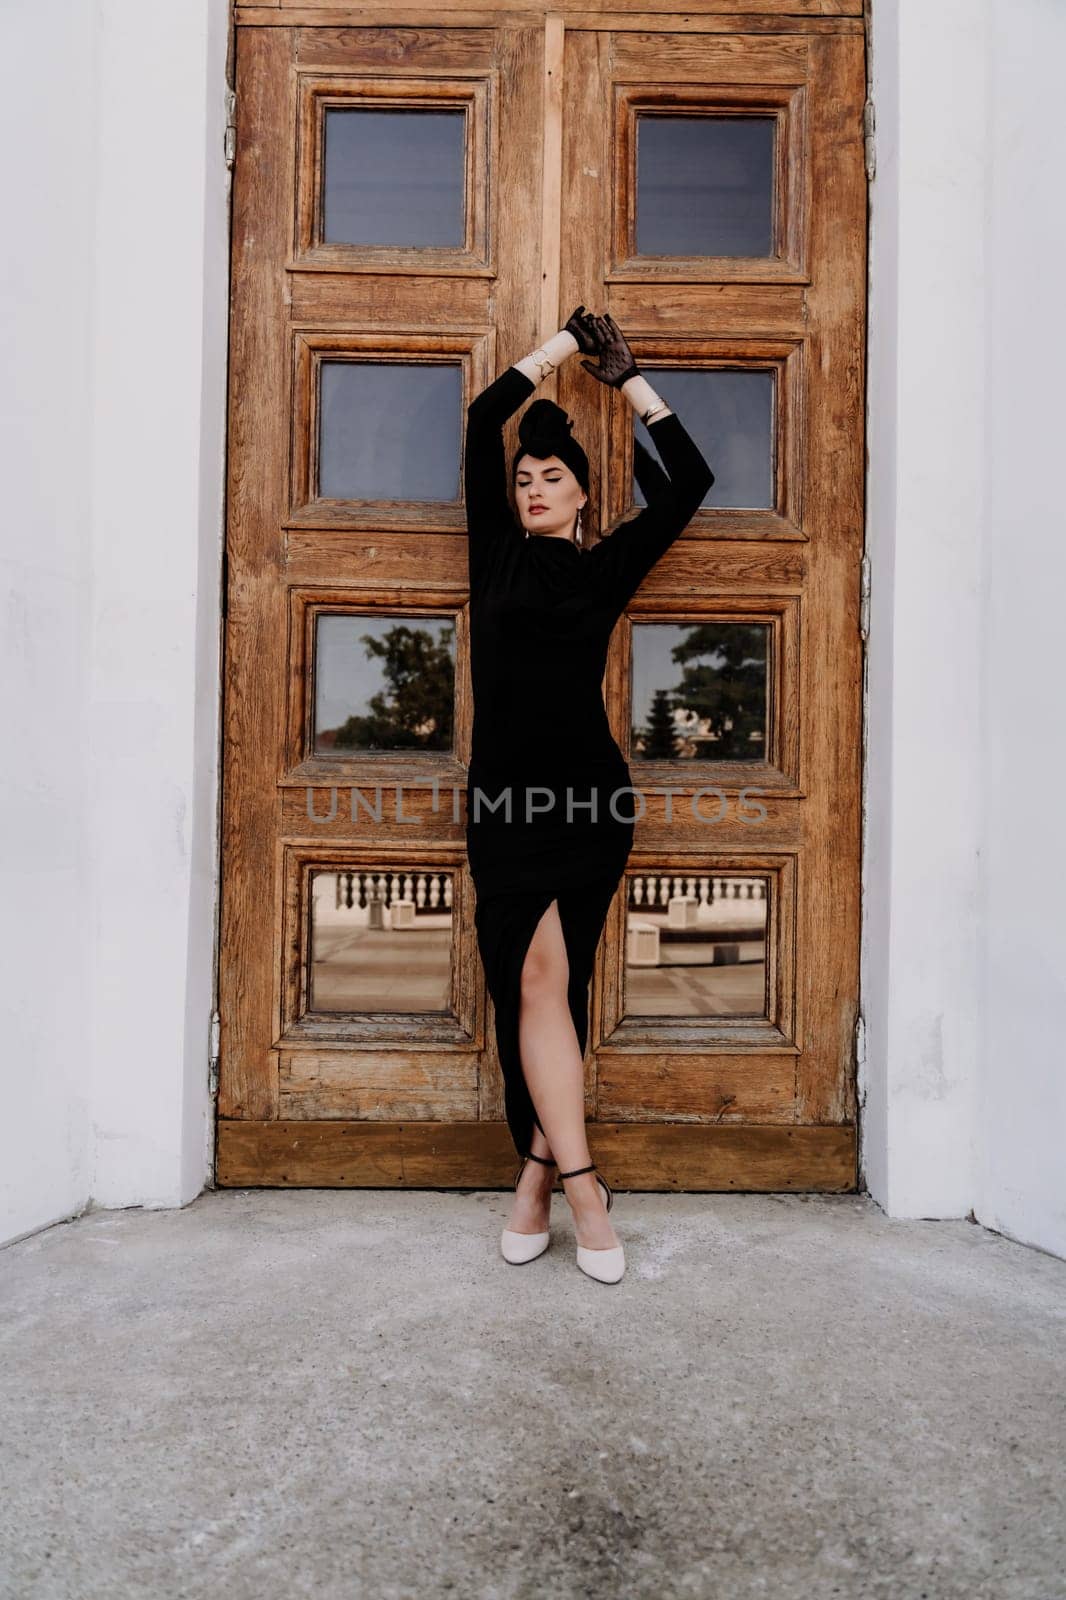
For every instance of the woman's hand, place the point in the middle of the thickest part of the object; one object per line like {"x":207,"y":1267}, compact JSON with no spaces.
{"x":616,"y":358}
{"x":581,"y":324}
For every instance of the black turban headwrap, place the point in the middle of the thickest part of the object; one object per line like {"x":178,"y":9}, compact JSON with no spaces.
{"x":545,"y":430}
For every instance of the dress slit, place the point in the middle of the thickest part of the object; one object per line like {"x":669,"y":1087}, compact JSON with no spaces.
{"x":505,"y":925}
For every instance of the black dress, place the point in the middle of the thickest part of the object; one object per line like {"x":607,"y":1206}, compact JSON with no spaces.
{"x":550,"y":810}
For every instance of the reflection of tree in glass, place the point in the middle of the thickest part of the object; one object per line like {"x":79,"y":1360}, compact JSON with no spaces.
{"x":416,"y":708}
{"x":659,"y":743}
{"x":718,"y":709}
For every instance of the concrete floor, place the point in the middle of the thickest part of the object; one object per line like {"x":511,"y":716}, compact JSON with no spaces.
{"x":340,"y":1393}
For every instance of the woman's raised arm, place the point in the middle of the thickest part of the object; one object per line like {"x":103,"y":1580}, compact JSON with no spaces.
{"x":488,"y":510}
{"x":620,"y":562}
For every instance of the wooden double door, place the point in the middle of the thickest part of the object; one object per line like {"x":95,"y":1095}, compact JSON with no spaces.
{"x":418,"y":202}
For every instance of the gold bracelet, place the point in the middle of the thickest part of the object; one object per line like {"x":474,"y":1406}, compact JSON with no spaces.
{"x":660,"y":405}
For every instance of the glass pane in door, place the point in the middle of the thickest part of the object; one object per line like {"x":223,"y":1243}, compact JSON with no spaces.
{"x":705,"y":186}
{"x":695,"y":945}
{"x":381,"y":940}
{"x":394,"y":177}
{"x":383,"y":681}
{"x":730,"y":414}
{"x":389,"y":430}
{"x":699,"y":691}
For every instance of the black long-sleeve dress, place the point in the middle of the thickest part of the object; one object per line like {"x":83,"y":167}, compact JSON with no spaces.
{"x":541,"y":614}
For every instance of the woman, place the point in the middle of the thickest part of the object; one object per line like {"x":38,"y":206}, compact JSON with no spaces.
{"x":550,"y":810}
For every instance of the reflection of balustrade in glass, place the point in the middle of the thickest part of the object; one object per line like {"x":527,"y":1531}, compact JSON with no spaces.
{"x":678,"y":928}
{"x":381,"y":940}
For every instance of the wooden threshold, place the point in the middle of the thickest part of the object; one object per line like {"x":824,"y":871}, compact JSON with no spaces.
{"x":663,"y":1157}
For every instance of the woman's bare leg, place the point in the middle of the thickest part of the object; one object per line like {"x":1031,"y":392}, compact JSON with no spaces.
{"x":551,"y":1061}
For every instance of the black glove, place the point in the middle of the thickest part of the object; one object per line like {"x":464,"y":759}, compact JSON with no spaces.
{"x":616,"y":358}
{"x":581,"y":324}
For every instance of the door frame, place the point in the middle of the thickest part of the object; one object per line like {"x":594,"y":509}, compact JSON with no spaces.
{"x":674,"y":1155}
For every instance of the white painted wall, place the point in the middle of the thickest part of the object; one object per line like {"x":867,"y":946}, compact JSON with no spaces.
{"x":114,"y":339}
{"x":1021,"y":1089}
{"x":46,"y":451}
{"x":114,"y":336}
{"x":963,"y":942}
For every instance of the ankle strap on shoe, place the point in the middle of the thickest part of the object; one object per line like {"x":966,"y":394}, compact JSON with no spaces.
{"x":600,"y":1179}
{"x":543,"y":1161}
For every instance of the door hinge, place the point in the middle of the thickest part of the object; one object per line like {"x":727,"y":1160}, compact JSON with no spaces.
{"x":864,"y":598}
{"x":868,"y":139}
{"x":229,"y":138}
{"x":212,"y":1064}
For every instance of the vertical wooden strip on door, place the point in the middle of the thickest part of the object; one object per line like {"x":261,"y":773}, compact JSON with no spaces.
{"x":256,"y":605}
{"x":829,"y":932}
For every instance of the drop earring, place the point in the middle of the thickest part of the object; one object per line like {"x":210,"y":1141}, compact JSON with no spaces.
{"x":577,"y":534}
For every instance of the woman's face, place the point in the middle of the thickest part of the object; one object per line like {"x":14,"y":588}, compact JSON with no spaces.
{"x":552,"y":487}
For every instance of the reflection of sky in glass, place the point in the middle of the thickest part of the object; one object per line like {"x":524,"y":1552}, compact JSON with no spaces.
{"x":653,"y":666}
{"x":394,"y":178}
{"x":389,"y":431}
{"x":705,"y":186}
{"x":729,"y":414}
{"x":345,"y":678}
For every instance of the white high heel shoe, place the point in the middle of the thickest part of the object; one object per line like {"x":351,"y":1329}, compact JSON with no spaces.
{"x":606,"y":1266}
{"x":519,"y":1248}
